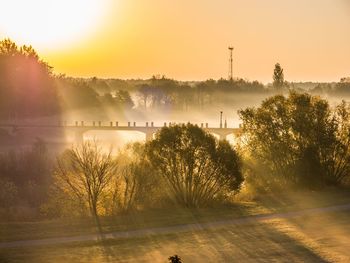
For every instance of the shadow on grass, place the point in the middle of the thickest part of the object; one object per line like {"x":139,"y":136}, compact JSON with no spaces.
{"x":260,"y":242}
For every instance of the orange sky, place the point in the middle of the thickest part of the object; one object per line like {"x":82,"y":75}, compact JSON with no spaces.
{"x":188,"y":39}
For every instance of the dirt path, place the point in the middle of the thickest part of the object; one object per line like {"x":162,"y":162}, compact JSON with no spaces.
{"x":172,"y":229}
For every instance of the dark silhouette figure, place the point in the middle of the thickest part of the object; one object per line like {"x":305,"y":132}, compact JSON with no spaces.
{"x":175,"y":259}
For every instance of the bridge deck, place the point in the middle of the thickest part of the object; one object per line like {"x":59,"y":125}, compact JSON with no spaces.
{"x":107,"y":127}
{"x":80,"y":128}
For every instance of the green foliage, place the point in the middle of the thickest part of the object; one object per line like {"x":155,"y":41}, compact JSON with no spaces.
{"x":137,"y":184}
{"x":337,"y":165}
{"x":299,"y":139}
{"x":62,"y":202}
{"x":196,"y":167}
{"x":25,"y":177}
{"x":22,"y":167}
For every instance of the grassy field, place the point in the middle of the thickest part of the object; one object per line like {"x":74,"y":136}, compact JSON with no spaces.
{"x":320,"y":238}
{"x":323,"y":238}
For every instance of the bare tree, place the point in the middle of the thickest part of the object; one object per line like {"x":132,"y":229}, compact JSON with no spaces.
{"x":87,"y":171}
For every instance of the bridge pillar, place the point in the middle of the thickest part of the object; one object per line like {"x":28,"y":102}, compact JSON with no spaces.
{"x":222,"y":135}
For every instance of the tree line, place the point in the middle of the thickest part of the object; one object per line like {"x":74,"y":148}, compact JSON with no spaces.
{"x":29,"y":89}
{"x":296,"y":141}
{"x":27,"y":84}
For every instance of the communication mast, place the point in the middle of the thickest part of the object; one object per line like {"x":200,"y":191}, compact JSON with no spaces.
{"x":230,"y":72}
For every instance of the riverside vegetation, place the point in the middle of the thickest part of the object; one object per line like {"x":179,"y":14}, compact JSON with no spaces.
{"x":292,"y":141}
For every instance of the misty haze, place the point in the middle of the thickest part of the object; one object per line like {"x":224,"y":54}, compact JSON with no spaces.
{"x":158,"y":131}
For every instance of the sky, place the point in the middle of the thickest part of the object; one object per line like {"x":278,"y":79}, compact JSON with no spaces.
{"x":185,"y":39}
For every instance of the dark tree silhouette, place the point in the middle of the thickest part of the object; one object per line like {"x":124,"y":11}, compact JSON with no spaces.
{"x":77,"y":94}
{"x":278,"y":77}
{"x":196,"y":167}
{"x":175,"y":259}
{"x":299,"y":139}
{"x":27,"y":86}
{"x":145,"y":93}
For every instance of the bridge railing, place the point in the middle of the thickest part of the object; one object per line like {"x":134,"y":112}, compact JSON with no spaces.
{"x":105,"y":124}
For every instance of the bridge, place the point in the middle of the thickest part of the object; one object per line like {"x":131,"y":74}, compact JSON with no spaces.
{"x":149,"y":129}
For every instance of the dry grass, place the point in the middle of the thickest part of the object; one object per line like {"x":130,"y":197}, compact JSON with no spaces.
{"x":323,"y":238}
{"x":317,"y":238}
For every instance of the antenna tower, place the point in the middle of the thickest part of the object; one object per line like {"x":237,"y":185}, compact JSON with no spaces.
{"x":230,"y":72}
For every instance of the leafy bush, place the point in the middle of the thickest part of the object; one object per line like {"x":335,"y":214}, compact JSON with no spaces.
{"x":197,"y":168}
{"x":137,"y":184}
{"x":299,"y":139}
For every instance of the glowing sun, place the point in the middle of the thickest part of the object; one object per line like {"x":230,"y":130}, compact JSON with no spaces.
{"x":48,"y":23}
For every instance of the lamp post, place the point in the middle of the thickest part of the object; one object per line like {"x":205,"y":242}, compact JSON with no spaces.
{"x":220,"y":119}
